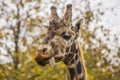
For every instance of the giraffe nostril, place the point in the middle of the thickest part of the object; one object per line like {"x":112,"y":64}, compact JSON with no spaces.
{"x":44,"y":50}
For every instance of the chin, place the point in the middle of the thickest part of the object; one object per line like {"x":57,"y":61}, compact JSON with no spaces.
{"x":42,"y":62}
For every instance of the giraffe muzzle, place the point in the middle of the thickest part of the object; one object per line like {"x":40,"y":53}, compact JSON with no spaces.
{"x":42,"y":57}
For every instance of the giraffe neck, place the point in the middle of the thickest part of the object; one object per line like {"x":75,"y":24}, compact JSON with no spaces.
{"x":75,"y":65}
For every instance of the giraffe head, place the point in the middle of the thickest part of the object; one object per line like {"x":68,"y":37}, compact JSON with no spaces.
{"x":59,"y":37}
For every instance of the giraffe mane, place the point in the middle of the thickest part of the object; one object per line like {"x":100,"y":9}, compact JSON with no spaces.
{"x":82,"y":58}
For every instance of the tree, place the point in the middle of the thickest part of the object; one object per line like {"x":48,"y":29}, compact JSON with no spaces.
{"x":17,"y":38}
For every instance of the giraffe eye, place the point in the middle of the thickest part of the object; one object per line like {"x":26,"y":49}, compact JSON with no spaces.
{"x":66,"y":36}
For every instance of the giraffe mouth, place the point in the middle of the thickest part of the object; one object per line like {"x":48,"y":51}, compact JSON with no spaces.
{"x":43,"y":58}
{"x":43,"y":62}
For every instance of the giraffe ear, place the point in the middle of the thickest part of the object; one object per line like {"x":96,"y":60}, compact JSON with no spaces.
{"x":76,"y":29}
{"x":77,"y":26}
{"x":67,"y":19}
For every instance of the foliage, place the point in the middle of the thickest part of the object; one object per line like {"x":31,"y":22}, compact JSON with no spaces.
{"x":21,"y":36}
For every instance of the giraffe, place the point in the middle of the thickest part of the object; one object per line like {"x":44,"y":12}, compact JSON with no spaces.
{"x":61,"y":44}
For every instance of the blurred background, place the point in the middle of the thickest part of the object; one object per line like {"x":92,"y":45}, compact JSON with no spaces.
{"x":23,"y":24}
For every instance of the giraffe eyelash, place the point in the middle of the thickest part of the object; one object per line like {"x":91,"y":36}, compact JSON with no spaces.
{"x":66,"y":36}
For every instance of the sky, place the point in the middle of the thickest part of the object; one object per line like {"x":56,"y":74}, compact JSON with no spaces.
{"x":111,"y":19}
